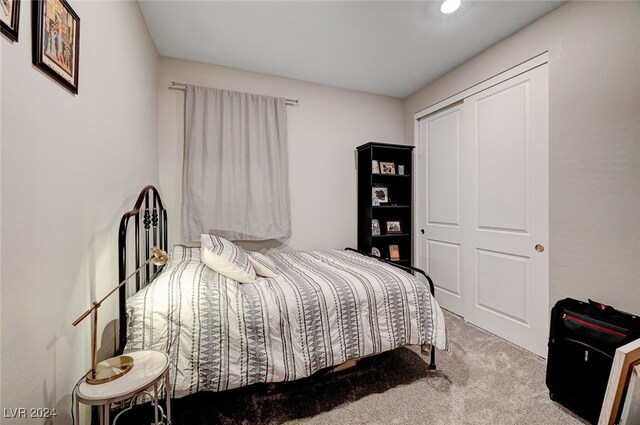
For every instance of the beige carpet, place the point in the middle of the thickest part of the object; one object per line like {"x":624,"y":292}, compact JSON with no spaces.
{"x":485,"y":380}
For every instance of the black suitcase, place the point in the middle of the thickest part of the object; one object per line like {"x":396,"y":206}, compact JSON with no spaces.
{"x":582,"y":342}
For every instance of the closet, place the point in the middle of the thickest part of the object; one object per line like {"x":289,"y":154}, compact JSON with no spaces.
{"x":483,"y":203}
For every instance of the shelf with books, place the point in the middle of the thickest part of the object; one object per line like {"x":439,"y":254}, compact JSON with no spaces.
{"x":385,"y":200}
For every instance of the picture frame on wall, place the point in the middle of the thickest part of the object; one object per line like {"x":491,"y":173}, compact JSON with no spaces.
{"x":387,"y":168}
{"x":380,"y":194}
{"x":394,"y":253}
{"x":393,"y":226}
{"x":10,"y":18}
{"x":56,"y":41}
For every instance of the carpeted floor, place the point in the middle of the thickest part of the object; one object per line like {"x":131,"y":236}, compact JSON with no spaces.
{"x":485,"y":380}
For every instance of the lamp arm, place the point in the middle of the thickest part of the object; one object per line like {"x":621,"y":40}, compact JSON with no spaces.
{"x":97,"y":304}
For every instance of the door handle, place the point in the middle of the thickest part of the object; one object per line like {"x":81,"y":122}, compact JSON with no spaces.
{"x":539,"y":247}
{"x":422,"y":231}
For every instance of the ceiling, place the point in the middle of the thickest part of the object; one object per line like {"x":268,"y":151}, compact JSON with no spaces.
{"x":390,"y":48}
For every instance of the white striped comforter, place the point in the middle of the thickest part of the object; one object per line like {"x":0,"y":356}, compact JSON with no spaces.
{"x":327,"y":307}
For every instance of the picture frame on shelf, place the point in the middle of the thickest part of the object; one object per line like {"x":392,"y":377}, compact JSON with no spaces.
{"x":401,"y":170}
{"x":387,"y":168}
{"x":56,"y":42}
{"x":375,"y":227}
{"x":394,"y":253}
{"x":394,"y":226}
{"x":375,"y":252}
{"x":380,"y":193}
{"x":10,"y":18}
{"x":375,"y":167}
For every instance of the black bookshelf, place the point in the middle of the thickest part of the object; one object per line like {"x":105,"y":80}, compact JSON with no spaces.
{"x":399,"y":199}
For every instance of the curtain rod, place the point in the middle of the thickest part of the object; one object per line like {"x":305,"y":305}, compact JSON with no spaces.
{"x":183,"y":87}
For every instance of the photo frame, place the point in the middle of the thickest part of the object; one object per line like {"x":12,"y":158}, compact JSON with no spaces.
{"x":387,"y":168}
{"x":375,"y":252}
{"x":56,"y":41}
{"x":380,"y":193}
{"x":375,"y":167}
{"x":10,"y":18}
{"x":393,"y":226}
{"x":401,"y":170}
{"x":394,"y":253}
{"x":375,"y":227}
{"x":625,"y":358}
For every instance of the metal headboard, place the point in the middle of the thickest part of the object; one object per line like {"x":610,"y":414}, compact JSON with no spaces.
{"x":149,"y":212}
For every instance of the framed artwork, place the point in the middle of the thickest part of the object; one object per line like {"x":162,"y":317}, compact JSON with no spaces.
{"x":56,"y":41}
{"x":631,"y":407}
{"x":10,"y":18}
{"x":375,"y":227}
{"x":393,"y":226}
{"x":375,"y":167}
{"x":401,"y":170}
{"x":380,"y":193}
{"x":375,"y":252}
{"x":624,"y":360}
{"x":387,"y":168}
{"x":394,"y":252}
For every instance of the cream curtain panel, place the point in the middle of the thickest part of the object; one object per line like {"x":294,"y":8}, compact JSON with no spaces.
{"x":235,"y":182}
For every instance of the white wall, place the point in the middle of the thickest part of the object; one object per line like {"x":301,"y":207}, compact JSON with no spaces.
{"x":594,"y":138}
{"x":70,"y":166}
{"x":322,"y":135}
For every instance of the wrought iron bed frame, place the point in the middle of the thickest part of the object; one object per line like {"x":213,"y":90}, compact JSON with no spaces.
{"x":149,"y":211}
{"x":153,"y":217}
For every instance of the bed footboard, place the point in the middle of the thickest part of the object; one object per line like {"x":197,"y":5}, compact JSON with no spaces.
{"x":408,"y":269}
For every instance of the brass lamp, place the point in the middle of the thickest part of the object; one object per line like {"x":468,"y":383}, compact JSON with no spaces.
{"x":114,"y":367}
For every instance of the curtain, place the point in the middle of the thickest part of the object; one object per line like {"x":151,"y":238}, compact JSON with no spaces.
{"x":235,"y":182}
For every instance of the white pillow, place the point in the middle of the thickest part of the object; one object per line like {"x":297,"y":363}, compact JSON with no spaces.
{"x":263,"y":265}
{"x":226,"y":258}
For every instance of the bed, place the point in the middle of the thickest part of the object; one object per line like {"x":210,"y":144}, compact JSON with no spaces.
{"x":323,"y":309}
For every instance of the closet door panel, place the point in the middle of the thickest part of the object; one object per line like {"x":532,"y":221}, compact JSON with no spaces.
{"x":443,"y":139}
{"x":506,"y":193}
{"x":440,"y":174}
{"x":502,"y":138}
{"x":444,"y":262}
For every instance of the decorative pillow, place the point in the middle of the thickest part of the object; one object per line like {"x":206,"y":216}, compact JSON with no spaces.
{"x":226,"y":258}
{"x":263,"y":265}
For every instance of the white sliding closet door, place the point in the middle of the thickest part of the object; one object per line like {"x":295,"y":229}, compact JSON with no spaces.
{"x":506,"y":192}
{"x":483,"y":204}
{"x":440,"y":247}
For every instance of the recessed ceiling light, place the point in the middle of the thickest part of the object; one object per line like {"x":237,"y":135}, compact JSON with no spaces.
{"x":450,"y":6}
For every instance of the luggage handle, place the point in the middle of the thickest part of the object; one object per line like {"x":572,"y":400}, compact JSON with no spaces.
{"x":604,"y":307}
{"x":600,"y":306}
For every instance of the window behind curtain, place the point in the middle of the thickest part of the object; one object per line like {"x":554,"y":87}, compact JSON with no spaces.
{"x":235,"y":181}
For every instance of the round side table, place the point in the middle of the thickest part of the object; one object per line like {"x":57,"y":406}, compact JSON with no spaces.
{"x":149,"y":369}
